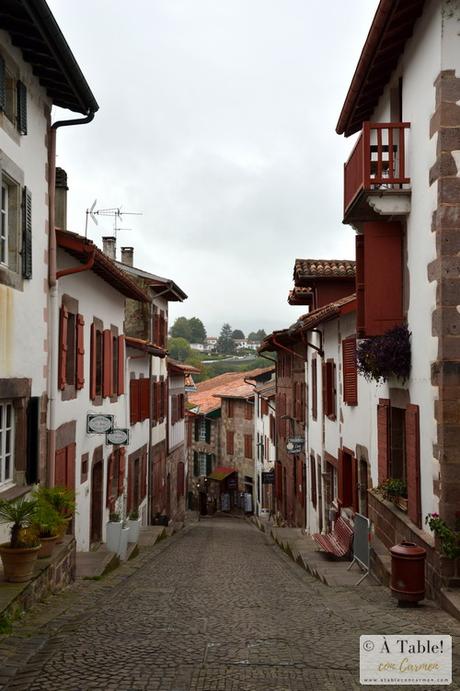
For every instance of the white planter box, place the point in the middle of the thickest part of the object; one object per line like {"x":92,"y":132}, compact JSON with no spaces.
{"x":134,"y":527}
{"x":113,"y":536}
{"x":122,"y":552}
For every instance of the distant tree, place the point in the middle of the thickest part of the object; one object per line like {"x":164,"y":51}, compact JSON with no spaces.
{"x":237,"y":333}
{"x":225,"y":344}
{"x":181,"y":329}
{"x":179,"y":349}
{"x":197,"y":330}
{"x":257,"y":335}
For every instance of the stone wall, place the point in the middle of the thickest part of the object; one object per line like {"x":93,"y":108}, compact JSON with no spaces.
{"x":176,"y":503}
{"x":241,"y":427}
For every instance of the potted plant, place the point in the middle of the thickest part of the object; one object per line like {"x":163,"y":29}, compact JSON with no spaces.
{"x":382,"y":357}
{"x":20,"y":553}
{"x":134,"y":525}
{"x":448,"y":539}
{"x":48,"y":525}
{"x":394,"y":490}
{"x":62,"y":499}
{"x":124,"y":539}
{"x":113,"y":532}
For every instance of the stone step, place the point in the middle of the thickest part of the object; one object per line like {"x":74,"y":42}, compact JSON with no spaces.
{"x":450,"y":601}
{"x":95,"y":564}
{"x":150,"y":534}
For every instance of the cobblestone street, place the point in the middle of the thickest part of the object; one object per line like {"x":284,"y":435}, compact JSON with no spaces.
{"x":218,"y":607}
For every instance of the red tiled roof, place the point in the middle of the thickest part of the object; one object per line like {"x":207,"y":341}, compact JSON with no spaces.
{"x":300,"y":296}
{"x":392,"y":26}
{"x":146,"y":346}
{"x":324,"y":268}
{"x":181,"y":367}
{"x":310,"y":321}
{"x":84,"y":250}
{"x":207,"y":395}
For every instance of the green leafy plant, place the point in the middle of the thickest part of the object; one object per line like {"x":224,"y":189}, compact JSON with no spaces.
{"x":21,"y":513}
{"x":47,"y":521}
{"x":392,"y":488}
{"x":62,"y":499}
{"x":382,"y":357}
{"x":449,"y":539}
{"x":134,"y":515}
{"x":114,"y":517}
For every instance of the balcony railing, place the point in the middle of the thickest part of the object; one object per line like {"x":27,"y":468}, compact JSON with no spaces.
{"x":377,"y":162}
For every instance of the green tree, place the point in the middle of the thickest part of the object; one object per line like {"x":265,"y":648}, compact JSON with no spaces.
{"x":225,"y":343}
{"x":237,"y":334}
{"x":181,"y":329}
{"x":257,"y":335}
{"x":197,"y":330}
{"x":179,"y":349}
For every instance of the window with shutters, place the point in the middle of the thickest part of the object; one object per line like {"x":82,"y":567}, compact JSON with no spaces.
{"x":230,"y":408}
{"x":71,"y":349}
{"x":201,"y":429}
{"x":272,"y":428}
{"x":350,"y":374}
{"x":329,"y":389}
{"x":248,"y":445}
{"x":64,"y":467}
{"x":99,"y":363}
{"x":313,"y":480}
{"x":115,"y":364}
{"x":248,"y":410}
{"x":6,"y":442}
{"x":11,"y":208}
{"x":230,"y":442}
{"x":13,"y":99}
{"x":202,"y":463}
{"x":264,"y":406}
{"x":314,"y":389}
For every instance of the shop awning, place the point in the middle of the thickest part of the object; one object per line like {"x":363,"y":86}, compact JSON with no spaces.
{"x":221,"y":473}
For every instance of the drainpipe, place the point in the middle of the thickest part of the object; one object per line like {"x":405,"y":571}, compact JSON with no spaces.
{"x":53,"y":292}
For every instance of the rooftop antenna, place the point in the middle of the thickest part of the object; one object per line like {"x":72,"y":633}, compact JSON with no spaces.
{"x":115,"y":212}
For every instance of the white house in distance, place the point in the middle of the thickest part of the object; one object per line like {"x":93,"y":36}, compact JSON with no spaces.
{"x":32,"y":80}
{"x":265,"y":446}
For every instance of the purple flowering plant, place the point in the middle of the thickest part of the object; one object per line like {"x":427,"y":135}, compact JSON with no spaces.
{"x":382,"y":357}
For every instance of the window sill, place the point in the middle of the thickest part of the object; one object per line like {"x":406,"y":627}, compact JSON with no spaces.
{"x":14,"y":491}
{"x":11,"y":278}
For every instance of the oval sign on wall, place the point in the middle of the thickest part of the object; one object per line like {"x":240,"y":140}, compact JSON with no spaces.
{"x":117,"y":436}
{"x":99,"y":424}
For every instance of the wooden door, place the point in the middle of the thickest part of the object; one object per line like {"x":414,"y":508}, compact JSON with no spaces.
{"x":96,"y":502}
{"x":168,"y":496}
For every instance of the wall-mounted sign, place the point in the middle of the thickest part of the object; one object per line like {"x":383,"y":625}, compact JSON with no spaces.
{"x":295,"y":445}
{"x":268,"y":478}
{"x":117,"y":436}
{"x":99,"y":424}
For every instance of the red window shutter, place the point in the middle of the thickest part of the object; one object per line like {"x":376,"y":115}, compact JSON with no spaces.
{"x":350,"y":375}
{"x":314,"y":389}
{"x":230,"y":442}
{"x":71,"y":451}
{"x":162,"y":329}
{"x":272,"y":428}
{"x":121,"y":366}
{"x":107,"y":387}
{"x":248,"y":445}
{"x":121,"y":470}
{"x":165,"y":399}
{"x":383,"y":439}
{"x":360,"y":287}
{"x":278,"y":480}
{"x":63,"y":327}
{"x":93,"y":346}
{"x":144,"y":398}
{"x":383,"y":276}
{"x":340,"y":478}
{"x":80,"y":351}
{"x":328,"y":372}
{"x":180,"y":479}
{"x":248,"y":411}
{"x":60,"y":470}
{"x":414,"y":507}
{"x":182,"y":406}
{"x":134,"y":402}
{"x":156,"y":401}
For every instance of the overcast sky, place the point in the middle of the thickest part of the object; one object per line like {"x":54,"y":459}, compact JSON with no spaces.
{"x":217,"y":122}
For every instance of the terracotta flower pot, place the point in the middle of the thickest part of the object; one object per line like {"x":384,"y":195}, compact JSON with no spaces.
{"x":47,"y":546}
{"x":64,"y":529}
{"x":18,"y":562}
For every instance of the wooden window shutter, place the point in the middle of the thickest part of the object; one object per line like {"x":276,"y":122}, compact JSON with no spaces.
{"x":107,"y":385}
{"x":248,"y":445}
{"x":208,"y":463}
{"x":63,"y":346}
{"x":2,"y":84}
{"x":412,"y":434}
{"x":121,"y":366}
{"x":60,"y":469}
{"x":80,"y":351}
{"x":230,"y":449}
{"x":180,"y":479}
{"x":314,"y":389}
{"x":121,"y":470}
{"x":182,"y":406}
{"x":21,"y":92}
{"x":134,"y":402}
{"x":26,"y":233}
{"x":248,"y":410}
{"x":340,"y":478}
{"x":144,"y":398}
{"x":165,"y":399}
{"x":93,"y":346}
{"x":360,"y":287}
{"x":383,"y":276}
{"x":383,"y":439}
{"x":196,"y":467}
{"x":350,"y":375}
{"x":156,"y":401}
{"x":208,"y":431}
{"x":328,"y":372}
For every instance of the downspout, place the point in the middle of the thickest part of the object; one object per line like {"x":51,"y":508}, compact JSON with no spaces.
{"x":53,"y":292}
{"x":80,"y":268}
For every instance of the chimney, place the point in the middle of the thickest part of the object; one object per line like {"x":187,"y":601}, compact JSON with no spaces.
{"x":60,"y":202}
{"x":109,"y":246}
{"x":127,"y":255}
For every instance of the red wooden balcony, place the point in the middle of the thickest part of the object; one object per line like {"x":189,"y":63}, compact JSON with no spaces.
{"x":377,"y":165}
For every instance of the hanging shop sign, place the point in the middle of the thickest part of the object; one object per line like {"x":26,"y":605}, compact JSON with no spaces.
{"x":268,"y":478}
{"x":295,"y":445}
{"x":117,"y":436}
{"x":99,"y":424}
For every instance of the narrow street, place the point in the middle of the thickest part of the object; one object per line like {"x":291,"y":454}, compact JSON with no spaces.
{"x":216,"y":607}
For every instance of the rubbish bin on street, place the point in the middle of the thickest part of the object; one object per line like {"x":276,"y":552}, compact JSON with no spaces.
{"x":408,"y":572}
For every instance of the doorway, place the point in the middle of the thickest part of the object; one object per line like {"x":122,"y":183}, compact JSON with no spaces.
{"x":96,"y":502}
{"x":362,"y":485}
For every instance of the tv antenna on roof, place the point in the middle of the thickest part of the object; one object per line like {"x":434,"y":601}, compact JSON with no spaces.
{"x":116,"y":213}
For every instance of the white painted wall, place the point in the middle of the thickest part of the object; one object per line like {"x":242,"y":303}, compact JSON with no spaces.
{"x":262,"y":433}
{"x":137,"y":365}
{"x":176,"y":432}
